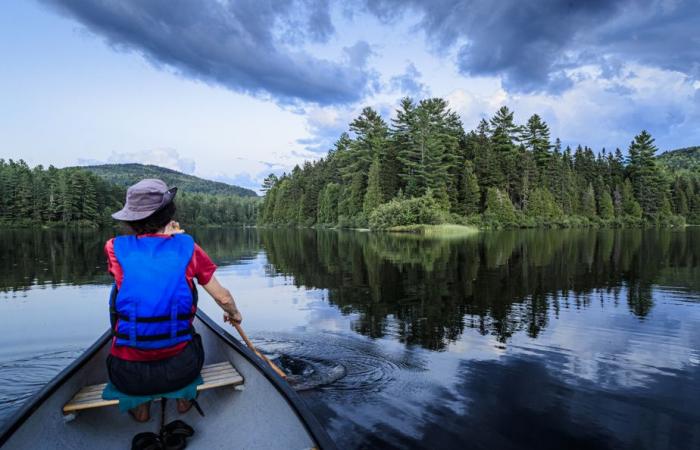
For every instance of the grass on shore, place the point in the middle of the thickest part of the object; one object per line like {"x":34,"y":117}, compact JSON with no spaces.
{"x":443,"y":230}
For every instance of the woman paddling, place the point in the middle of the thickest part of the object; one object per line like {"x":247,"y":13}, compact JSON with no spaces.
{"x":154,"y":299}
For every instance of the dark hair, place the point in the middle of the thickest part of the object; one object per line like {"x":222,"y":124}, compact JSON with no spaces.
{"x":155,"y":221}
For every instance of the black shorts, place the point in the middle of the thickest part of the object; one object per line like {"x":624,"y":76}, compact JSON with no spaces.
{"x":157,"y":377}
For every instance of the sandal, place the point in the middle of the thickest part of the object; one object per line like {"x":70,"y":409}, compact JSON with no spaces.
{"x":146,"y":441}
{"x":173,"y":442}
{"x":175,"y":434}
{"x":179,"y":428}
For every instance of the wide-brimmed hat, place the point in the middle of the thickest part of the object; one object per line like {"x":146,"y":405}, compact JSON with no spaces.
{"x":145,"y":198}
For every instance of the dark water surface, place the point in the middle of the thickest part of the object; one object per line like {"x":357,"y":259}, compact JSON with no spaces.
{"x":528,"y":339}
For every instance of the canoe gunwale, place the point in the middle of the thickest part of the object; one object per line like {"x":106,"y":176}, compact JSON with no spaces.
{"x":306,"y":417}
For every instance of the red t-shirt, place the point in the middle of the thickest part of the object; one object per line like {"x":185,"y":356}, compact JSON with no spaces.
{"x":200,"y":267}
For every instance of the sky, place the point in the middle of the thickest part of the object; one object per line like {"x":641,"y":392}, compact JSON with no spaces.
{"x":235,"y":89}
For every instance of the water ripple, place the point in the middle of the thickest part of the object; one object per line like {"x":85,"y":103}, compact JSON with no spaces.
{"x":335,"y":363}
{"x":20,"y":378}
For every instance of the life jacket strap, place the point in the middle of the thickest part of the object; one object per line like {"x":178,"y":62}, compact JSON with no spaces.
{"x":154,"y":319}
{"x":155,"y":337}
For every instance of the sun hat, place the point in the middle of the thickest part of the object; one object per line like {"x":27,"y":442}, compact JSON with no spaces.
{"x":145,"y":198}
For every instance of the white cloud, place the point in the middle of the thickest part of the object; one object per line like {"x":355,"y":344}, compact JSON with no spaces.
{"x":164,"y":157}
{"x":600,"y":111}
{"x":472,"y":107}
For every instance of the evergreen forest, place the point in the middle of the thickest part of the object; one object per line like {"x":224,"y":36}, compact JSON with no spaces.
{"x":74,"y":196}
{"x":422,"y":167}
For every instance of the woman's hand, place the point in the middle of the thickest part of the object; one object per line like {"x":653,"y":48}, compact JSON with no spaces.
{"x":233,"y":319}
{"x":173,"y":228}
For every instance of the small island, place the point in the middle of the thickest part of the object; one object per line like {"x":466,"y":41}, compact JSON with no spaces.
{"x":423,"y":171}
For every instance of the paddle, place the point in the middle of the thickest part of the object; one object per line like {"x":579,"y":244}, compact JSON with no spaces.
{"x":263,"y":357}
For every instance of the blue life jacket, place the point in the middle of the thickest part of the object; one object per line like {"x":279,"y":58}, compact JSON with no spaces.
{"x":154,"y":306}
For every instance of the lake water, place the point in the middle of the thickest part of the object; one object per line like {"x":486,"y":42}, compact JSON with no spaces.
{"x":527,"y":339}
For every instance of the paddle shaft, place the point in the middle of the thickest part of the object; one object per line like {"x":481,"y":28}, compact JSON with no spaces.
{"x":250,"y":345}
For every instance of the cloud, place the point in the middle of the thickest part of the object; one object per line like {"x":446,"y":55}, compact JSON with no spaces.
{"x":359,"y":53}
{"x":473,"y":107}
{"x":249,"y":46}
{"x":325,"y":126}
{"x":608,"y":112}
{"x":532,"y":46}
{"x":250,"y":173}
{"x":163,"y":157}
{"x":409,"y":83}
{"x":244,"y":180}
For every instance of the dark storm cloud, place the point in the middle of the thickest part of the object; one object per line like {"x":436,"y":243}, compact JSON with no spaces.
{"x":255,"y":46}
{"x":665,"y":34}
{"x":530,"y":44}
{"x":249,"y":46}
{"x":409,"y":83}
{"x":358,"y":54}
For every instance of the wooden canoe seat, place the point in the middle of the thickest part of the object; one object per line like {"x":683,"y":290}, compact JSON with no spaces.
{"x":214,"y":376}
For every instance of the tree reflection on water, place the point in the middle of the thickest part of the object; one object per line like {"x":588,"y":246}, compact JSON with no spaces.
{"x":426,"y":291}
{"x":423,"y":291}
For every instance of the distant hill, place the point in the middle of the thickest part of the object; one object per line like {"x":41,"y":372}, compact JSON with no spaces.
{"x":128,"y":174}
{"x":682,"y":159}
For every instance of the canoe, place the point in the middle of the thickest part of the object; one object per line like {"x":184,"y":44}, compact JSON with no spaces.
{"x":256,"y":410}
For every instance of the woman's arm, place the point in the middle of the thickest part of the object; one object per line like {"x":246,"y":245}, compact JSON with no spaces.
{"x":223,"y":297}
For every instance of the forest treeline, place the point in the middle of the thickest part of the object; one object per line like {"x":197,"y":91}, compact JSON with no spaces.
{"x":73,"y":196}
{"x":423,"y":167}
{"x":127,"y":174}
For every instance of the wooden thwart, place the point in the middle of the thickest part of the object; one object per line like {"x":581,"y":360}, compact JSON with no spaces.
{"x":214,"y":376}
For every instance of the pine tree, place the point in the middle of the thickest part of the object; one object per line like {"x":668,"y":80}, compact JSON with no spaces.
{"x":328,"y":204}
{"x":371,"y":135}
{"x":311,"y":188}
{"x":430,"y":133}
{"x":502,"y":122}
{"x":373,"y":196}
{"x":499,"y":208}
{"x":280,"y":214}
{"x":504,"y":133}
{"x":645,"y":174}
{"x":569,"y":189}
{"x":268,"y":207}
{"x":693,"y":196}
{"x":357,"y":195}
{"x":535,"y":137}
{"x":588,"y":207}
{"x":5,"y":191}
{"x":680,"y":199}
{"x":390,"y":181}
{"x":617,"y":168}
{"x":553,"y":173}
{"x":268,"y":183}
{"x":486,"y":164}
{"x":665,"y":211}
{"x":630,"y":206}
{"x":470,"y":192}
{"x":371,"y":141}
{"x":605,"y":206}
{"x":24,"y":192}
{"x":401,"y":141}
{"x":528,"y":179}
{"x":89,"y":202}
{"x":542,"y":205}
